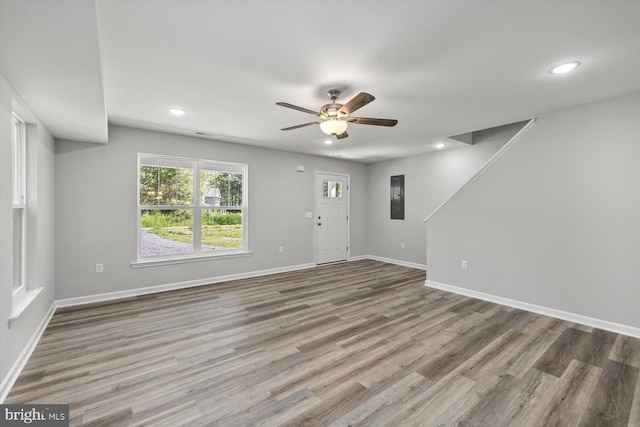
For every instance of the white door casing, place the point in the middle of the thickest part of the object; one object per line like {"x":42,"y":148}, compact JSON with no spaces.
{"x":331,"y":219}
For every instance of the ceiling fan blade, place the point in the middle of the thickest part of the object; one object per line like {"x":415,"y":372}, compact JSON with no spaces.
{"x":357,"y":102}
{"x":295,"y":107}
{"x":301,"y":126}
{"x":342,"y":135}
{"x":368,"y":121}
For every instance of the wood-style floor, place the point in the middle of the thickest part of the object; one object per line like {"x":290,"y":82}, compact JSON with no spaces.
{"x":361,"y":343}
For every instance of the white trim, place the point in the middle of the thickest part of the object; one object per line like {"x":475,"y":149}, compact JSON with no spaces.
{"x":389,"y":261}
{"x":560,"y":314}
{"x":149,"y":262}
{"x":21,"y":302}
{"x":18,"y":366}
{"x":493,"y":158}
{"x":397,"y":262}
{"x":89,"y":299}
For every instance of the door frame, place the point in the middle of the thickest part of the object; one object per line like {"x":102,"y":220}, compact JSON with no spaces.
{"x":316,"y":209}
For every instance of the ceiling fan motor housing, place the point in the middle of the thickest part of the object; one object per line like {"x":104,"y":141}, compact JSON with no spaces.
{"x":331,"y":110}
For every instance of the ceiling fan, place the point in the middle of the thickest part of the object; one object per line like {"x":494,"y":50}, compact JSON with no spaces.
{"x":334,"y":118}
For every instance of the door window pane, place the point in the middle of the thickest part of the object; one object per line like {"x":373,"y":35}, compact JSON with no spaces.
{"x":166,"y":232}
{"x":332,"y":189}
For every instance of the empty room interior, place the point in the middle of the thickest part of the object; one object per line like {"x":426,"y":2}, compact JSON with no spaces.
{"x":345,"y":213}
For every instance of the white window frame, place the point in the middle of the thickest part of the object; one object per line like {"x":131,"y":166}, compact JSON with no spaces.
{"x":197,"y":208}
{"x":19,"y":202}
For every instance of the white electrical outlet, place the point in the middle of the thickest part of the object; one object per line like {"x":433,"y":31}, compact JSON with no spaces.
{"x":464,"y":264}
{"x":281,"y":249}
{"x":99,"y":268}
{"x":402,"y":245}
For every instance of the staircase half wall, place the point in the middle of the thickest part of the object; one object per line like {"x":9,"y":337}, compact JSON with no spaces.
{"x":553,"y":224}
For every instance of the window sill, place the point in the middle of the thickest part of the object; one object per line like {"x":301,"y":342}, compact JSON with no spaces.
{"x":21,"y":303}
{"x":185,"y":260}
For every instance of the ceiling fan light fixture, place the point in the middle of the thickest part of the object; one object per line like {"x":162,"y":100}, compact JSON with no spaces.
{"x":333,"y":126}
{"x":334,"y":118}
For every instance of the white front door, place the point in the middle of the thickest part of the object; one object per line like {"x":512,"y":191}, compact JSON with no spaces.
{"x":332,"y":222}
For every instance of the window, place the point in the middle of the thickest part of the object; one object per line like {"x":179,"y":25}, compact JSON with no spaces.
{"x":19,"y":198}
{"x":332,"y":189}
{"x":190,"y":207}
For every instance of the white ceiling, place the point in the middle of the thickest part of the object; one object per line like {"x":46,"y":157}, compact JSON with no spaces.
{"x":49,"y":53}
{"x":440,"y":68}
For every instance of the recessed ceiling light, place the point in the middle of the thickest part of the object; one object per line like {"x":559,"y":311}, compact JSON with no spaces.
{"x":440,"y":145}
{"x":564,"y":68}
{"x":177,"y":112}
{"x":328,"y":141}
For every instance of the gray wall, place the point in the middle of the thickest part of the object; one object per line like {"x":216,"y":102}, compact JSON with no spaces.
{"x":96,"y":210}
{"x":40,"y":227}
{"x":429,"y":180}
{"x":555,"y":221}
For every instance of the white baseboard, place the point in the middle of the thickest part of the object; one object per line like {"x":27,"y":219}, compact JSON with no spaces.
{"x":396,"y":262}
{"x":90,"y":299}
{"x":552,"y":312}
{"x":18,"y":366}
